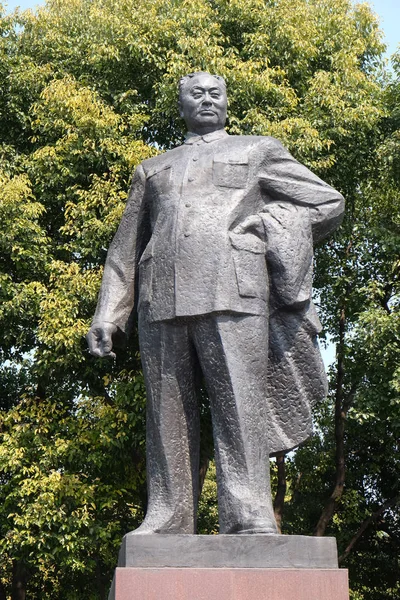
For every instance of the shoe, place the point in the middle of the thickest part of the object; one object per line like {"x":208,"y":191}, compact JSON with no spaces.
{"x":258,"y":531}
{"x":257,"y":527}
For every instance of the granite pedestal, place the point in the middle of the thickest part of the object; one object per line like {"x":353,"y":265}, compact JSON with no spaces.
{"x":228,"y":567}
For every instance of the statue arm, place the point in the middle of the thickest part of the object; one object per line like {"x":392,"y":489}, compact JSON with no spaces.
{"x":284,"y":179}
{"x":114,"y":312}
{"x":300,"y":210}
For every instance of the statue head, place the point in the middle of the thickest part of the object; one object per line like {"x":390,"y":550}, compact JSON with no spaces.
{"x":203,"y":102}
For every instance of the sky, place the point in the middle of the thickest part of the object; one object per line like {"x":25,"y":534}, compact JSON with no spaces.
{"x":388,"y":11}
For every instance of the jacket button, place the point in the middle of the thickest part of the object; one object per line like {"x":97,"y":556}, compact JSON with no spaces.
{"x":186,"y":234}
{"x":188,"y":205}
{"x":195,"y":158}
{"x":190,"y":179}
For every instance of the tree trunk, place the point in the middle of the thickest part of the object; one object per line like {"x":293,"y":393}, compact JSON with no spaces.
{"x":3,"y":595}
{"x":101,"y":585}
{"x":19,"y":581}
{"x":340,"y":416}
{"x":279,"y":501}
{"x":204,"y":463}
{"x":342,"y":405}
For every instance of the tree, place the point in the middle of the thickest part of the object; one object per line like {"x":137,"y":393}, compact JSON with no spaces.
{"x":90,"y":92}
{"x":365,"y":497}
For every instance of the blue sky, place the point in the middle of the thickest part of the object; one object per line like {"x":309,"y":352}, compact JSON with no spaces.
{"x":388,"y":10}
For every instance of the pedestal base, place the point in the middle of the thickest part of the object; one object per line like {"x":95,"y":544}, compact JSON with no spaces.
{"x":132,"y":583}
{"x":228,"y":551}
{"x":228,"y":567}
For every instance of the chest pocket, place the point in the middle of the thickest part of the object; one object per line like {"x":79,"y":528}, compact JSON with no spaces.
{"x":159,"y":178}
{"x":230,"y":172}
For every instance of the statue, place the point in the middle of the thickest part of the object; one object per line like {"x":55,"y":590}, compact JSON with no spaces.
{"x":214,"y":252}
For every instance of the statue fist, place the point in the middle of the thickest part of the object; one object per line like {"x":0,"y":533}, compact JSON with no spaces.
{"x":99,"y":339}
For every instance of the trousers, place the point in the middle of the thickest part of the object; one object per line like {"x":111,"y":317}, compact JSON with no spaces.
{"x":231,"y":352}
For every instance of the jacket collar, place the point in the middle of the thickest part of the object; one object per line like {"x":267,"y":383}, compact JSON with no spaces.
{"x":191,"y":138}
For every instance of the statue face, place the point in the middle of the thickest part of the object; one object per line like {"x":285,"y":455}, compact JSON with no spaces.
{"x":203,"y":104}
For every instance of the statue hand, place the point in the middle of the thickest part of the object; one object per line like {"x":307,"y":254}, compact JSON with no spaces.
{"x":253,"y":222}
{"x":99,"y":339}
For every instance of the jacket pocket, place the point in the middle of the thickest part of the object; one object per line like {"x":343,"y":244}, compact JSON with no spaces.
{"x":248,"y":253}
{"x":159,"y":178}
{"x":230,"y":172}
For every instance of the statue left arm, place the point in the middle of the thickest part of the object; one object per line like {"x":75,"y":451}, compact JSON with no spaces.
{"x":286,"y":180}
{"x":301,"y":209}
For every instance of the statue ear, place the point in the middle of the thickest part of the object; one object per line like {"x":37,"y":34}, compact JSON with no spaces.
{"x":180,"y":107}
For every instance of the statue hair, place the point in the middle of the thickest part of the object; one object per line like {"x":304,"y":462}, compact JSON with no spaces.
{"x":186,"y":78}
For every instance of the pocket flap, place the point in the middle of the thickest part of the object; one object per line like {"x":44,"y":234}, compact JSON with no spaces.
{"x":231,"y":160}
{"x":157,"y":169}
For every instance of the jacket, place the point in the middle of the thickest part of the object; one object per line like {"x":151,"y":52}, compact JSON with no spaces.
{"x":176,"y":254}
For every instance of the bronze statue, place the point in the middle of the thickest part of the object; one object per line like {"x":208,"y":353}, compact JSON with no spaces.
{"x":214,"y":252}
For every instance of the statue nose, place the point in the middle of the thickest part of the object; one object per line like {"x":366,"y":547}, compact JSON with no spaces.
{"x":207,"y":100}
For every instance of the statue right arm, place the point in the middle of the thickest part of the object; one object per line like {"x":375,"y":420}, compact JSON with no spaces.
{"x":114,"y":312}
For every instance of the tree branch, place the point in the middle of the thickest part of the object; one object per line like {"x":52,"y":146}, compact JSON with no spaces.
{"x":366,"y":523}
{"x":348,"y":398}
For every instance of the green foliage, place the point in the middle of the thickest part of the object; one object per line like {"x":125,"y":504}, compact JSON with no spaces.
{"x":89,"y":92}
{"x":70,"y":487}
{"x":208,"y":508}
{"x":359,"y":278}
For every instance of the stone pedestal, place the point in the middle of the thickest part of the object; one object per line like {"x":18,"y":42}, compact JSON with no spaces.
{"x":230,"y":584}
{"x":228,"y":567}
